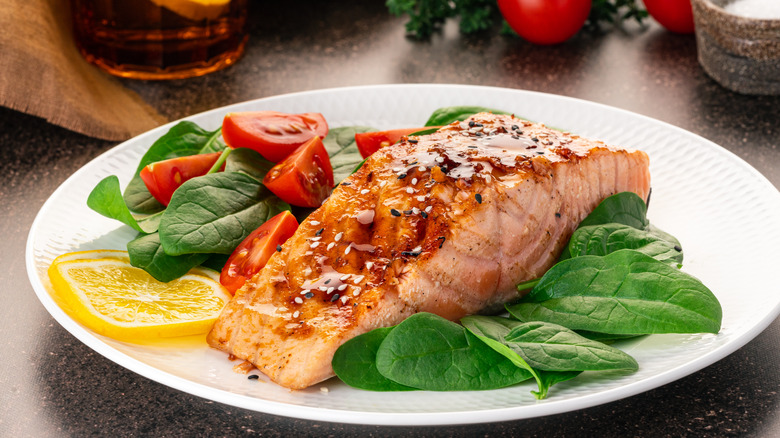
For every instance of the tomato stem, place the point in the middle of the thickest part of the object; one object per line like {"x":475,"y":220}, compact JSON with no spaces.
{"x":220,"y":161}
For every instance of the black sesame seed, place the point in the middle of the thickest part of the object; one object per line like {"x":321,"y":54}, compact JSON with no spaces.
{"x":346,"y":183}
{"x":309,"y":295}
{"x":535,"y":139}
{"x":678,"y":248}
{"x":479,"y":134}
{"x":407,"y":212}
{"x":424,"y":215}
{"x":334,"y":297}
{"x":557,"y":215}
{"x":515,"y":127}
{"x":328,"y":280}
{"x":279,"y":248}
{"x":402,"y":176}
{"x":540,"y":152}
{"x":319,"y":231}
{"x":478,"y":125}
{"x":395,"y":212}
{"x":472,"y":123}
{"x":412,"y":141}
{"x":411,"y":253}
{"x":253,"y":377}
{"x":478,"y":197}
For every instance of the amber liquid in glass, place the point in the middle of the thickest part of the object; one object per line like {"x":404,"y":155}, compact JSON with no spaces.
{"x":160,"y":39}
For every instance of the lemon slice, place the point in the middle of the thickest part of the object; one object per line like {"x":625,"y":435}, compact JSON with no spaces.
{"x":195,"y":10}
{"x":123,"y":302}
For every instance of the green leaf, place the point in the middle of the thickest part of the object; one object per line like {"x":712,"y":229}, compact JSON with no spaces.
{"x":625,"y":292}
{"x":447,"y":115}
{"x":183,"y":139}
{"x":343,"y":151}
{"x":428,"y":352}
{"x":146,"y":253}
{"x":623,"y":208}
{"x":355,"y":363}
{"x":249,"y":162}
{"x":106,"y":199}
{"x":608,"y":238}
{"x":216,"y":261}
{"x":215,"y":212}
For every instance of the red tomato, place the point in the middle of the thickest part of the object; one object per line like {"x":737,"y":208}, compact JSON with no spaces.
{"x":305,"y":178}
{"x":274,"y":135}
{"x":251,"y":255}
{"x":545,"y":21}
{"x":675,"y":15}
{"x":370,"y":142}
{"x":164,"y":177}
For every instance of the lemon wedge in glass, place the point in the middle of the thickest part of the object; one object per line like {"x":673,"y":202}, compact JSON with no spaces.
{"x":195,"y":10}
{"x":104,"y":292}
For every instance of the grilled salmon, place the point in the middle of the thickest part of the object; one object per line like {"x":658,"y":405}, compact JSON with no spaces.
{"x":446,"y":223}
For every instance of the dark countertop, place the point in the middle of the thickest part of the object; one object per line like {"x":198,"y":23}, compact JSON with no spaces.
{"x":53,"y":385}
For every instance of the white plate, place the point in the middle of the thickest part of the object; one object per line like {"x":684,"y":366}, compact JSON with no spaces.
{"x":724,"y":212}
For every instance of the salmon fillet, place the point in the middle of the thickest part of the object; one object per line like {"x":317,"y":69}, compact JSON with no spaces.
{"x":446,"y":223}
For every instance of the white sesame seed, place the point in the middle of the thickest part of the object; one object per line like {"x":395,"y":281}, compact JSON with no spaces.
{"x":342,"y":287}
{"x":323,"y":288}
{"x":358,"y":278}
{"x":417,"y":249}
{"x":315,"y":239}
{"x":298,"y":300}
{"x":428,"y":209}
{"x":382,"y":183}
{"x":398,"y":169}
{"x":315,"y":244}
{"x":369,"y":265}
{"x":345,"y":277}
{"x":305,"y":291}
{"x":308,"y":253}
{"x":439,"y":159}
{"x":356,"y":292}
{"x":330,"y":290}
{"x":421,"y":198}
{"x":344,"y":299}
{"x":315,"y":223}
{"x":338,"y":237}
{"x":415,"y":210}
{"x":331,"y":245}
{"x":364,"y":191}
{"x":323,"y":389}
{"x":346,"y":251}
{"x":296,"y":314}
{"x":409,"y":190}
{"x":414,"y":180}
{"x":421,"y":168}
{"x":307,"y":271}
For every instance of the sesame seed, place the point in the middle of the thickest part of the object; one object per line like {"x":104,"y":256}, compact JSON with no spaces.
{"x":334,"y":298}
{"x":279,"y":248}
{"x":424,"y":215}
{"x":358,"y":278}
{"x":305,"y":291}
{"x":369,"y":265}
{"x":428,"y":208}
{"x":398,"y":169}
{"x":439,"y":159}
{"x":319,"y":231}
{"x":315,"y":223}
{"x":364,"y":191}
{"x":313,"y":245}
{"x":315,"y":239}
{"x":330,"y":290}
{"x":345,"y":277}
{"x":356,"y":292}
{"x":409,"y":190}
{"x":401,"y":175}
{"x":395,"y":212}
{"x":412,"y":141}
{"x":338,"y":237}
{"x":442,"y":238}
{"x":307,"y":271}
{"x":323,"y":389}
{"x":323,"y":288}
{"x":677,"y":248}
{"x":421,"y":198}
{"x":382,"y":183}
{"x":407,"y":212}
{"x":346,"y":251}
{"x":472,"y":123}
{"x":308,"y":253}
{"x":328,"y":281}
{"x":344,"y":300}
{"x":415,"y":210}
{"x":253,"y":377}
{"x":331,"y":245}
{"x":478,"y":197}
{"x":309,"y":295}
{"x":342,"y":287}
{"x":296,"y":314}
{"x":422,"y":169}
{"x":414,"y":180}
{"x":298,"y":300}
{"x":346,"y":183}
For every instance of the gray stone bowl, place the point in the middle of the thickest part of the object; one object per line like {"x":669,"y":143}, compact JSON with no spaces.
{"x":740,"y":53}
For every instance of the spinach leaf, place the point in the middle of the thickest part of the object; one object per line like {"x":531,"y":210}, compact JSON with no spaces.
{"x":625,"y":292}
{"x":146,"y":253}
{"x":624,"y":208}
{"x":428,"y":352}
{"x":216,"y":261}
{"x":447,"y":115}
{"x":106,"y":199}
{"x":604,"y":239}
{"x":214,"y":213}
{"x":343,"y":151}
{"x":249,"y":162}
{"x":604,"y":337}
{"x":184,"y":138}
{"x":355,"y":363}
{"x":551,"y":347}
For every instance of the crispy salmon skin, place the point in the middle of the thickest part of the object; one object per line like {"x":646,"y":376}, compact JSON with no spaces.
{"x":446,"y":223}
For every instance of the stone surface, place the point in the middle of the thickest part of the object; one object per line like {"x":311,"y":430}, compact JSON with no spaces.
{"x":53,"y":385}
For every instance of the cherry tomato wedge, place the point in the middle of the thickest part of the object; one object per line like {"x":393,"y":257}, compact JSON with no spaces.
{"x":370,"y":142}
{"x":675,"y":15}
{"x":273,"y":134}
{"x":164,"y":177}
{"x":305,"y":178}
{"x":251,"y":255}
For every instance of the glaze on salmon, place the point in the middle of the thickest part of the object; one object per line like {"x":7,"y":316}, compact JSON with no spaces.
{"x":446,"y":223}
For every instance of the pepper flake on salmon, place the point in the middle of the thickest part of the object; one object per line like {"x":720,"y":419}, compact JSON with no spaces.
{"x":446,"y":223}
